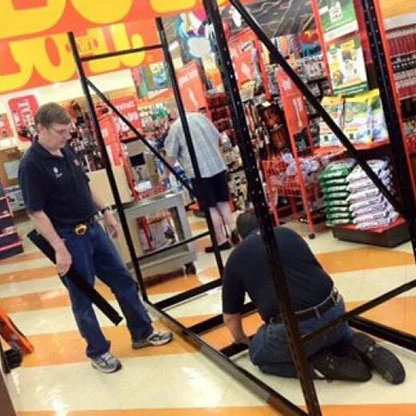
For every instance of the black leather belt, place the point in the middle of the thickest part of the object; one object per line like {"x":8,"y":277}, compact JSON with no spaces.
{"x":81,"y":228}
{"x":315,"y":312}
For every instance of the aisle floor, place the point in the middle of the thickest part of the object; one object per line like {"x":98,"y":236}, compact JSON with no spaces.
{"x":176,"y":379}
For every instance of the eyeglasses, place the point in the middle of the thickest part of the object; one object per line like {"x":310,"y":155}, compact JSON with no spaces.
{"x":62,"y":132}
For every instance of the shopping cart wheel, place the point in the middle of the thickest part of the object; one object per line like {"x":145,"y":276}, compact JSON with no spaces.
{"x":311,"y":236}
{"x":190,"y":268}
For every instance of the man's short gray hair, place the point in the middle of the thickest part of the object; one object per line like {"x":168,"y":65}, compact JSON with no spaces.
{"x":51,"y":113}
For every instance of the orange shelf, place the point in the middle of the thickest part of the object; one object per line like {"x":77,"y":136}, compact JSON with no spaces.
{"x":8,"y":233}
{"x":17,"y":244}
{"x":319,"y":151}
{"x":381,"y":230}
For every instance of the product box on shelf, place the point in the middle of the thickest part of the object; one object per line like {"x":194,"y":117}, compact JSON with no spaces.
{"x":15,"y":197}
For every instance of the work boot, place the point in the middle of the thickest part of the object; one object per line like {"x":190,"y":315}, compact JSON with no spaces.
{"x":334,"y":367}
{"x":379,"y":358}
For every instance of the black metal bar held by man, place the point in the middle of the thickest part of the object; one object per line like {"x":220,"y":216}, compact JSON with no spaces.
{"x":188,"y":137}
{"x":125,"y":120}
{"x":107,"y":165}
{"x":279,"y":58}
{"x":261,"y":207}
{"x":42,"y":244}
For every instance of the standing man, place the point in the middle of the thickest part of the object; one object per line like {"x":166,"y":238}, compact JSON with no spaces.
{"x":339,"y":354}
{"x":214,"y":185}
{"x":63,"y":209}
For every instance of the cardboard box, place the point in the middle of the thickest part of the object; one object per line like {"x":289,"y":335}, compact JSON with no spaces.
{"x":101,"y":187}
{"x":9,"y":164}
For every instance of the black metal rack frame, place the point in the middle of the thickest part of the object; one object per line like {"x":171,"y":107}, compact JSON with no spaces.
{"x":406,"y":206}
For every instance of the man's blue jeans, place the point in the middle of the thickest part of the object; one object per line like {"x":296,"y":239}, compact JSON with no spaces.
{"x":93,"y":254}
{"x":269,"y":348}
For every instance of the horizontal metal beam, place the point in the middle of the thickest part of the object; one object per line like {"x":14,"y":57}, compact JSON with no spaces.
{"x":257,"y":386}
{"x":119,"y":53}
{"x":217,"y":320}
{"x":181,"y":297}
{"x":403,"y":339}
{"x":172,"y":246}
{"x":359,"y":310}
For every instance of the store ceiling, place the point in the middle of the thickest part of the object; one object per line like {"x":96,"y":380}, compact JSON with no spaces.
{"x":276,"y":17}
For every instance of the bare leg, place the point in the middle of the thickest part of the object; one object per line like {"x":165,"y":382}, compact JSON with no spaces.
{"x":218,"y":225}
{"x":226,"y":214}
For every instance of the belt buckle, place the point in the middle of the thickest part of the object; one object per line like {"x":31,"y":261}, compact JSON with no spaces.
{"x":81,"y":229}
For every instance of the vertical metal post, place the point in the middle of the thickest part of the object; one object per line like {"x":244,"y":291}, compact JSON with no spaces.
{"x":261,"y":208}
{"x":188,"y":137}
{"x":385,"y":77}
{"x":107,"y":164}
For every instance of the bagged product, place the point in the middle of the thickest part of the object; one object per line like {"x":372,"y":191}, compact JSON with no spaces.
{"x":339,"y":216}
{"x":336,"y":195}
{"x":337,"y":170}
{"x":366,"y":183}
{"x":357,"y":124}
{"x":335,"y":107}
{"x":378,"y":123}
{"x":378,"y":223}
{"x":338,"y":222}
{"x":331,"y":189}
{"x":335,"y":182}
{"x":376,"y":215}
{"x":373,"y":209}
{"x":336,"y":203}
{"x":369,"y":202}
{"x":377,"y":166}
{"x":329,"y":210}
{"x":365,"y":194}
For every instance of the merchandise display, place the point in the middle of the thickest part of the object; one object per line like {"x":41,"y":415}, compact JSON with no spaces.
{"x":360,"y":116}
{"x":368,"y":206}
{"x":335,"y":108}
{"x":10,"y":243}
{"x":334,"y":184}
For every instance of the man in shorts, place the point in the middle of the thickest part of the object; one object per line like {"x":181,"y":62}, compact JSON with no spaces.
{"x":213,"y":189}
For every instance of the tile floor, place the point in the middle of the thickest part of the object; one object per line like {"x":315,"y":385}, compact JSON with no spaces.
{"x":57,"y":380}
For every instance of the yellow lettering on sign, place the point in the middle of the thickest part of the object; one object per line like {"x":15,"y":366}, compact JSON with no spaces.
{"x":101,"y":65}
{"x":29,"y":20}
{"x":122,"y":42}
{"x":166,"y":6}
{"x":17,"y":80}
{"x":53,"y":60}
{"x":103,"y":12}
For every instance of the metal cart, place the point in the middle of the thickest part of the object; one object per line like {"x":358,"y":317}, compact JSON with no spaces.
{"x":167,"y":259}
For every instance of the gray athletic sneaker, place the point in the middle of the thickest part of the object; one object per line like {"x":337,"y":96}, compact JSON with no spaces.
{"x":156,"y":338}
{"x":106,"y":363}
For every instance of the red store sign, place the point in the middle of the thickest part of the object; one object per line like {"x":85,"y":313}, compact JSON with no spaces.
{"x":23,"y":111}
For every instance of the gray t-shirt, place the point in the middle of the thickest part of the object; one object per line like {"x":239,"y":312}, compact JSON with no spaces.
{"x":205,"y":138}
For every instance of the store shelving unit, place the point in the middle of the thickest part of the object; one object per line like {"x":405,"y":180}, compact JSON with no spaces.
{"x":10,"y":243}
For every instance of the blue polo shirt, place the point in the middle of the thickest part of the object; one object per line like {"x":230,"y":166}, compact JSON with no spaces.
{"x":56,"y":185}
